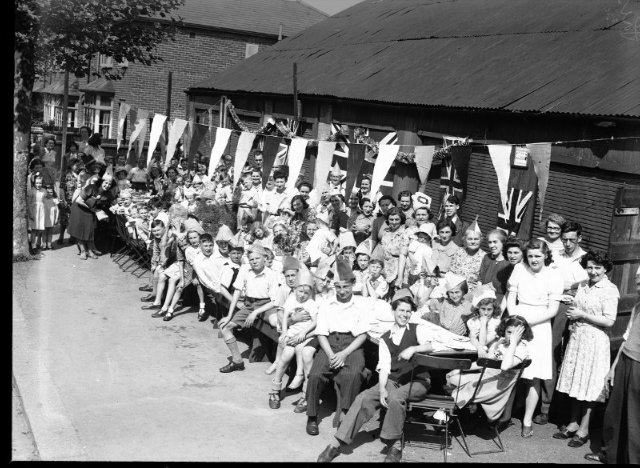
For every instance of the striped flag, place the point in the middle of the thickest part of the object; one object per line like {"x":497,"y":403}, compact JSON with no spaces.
{"x":341,"y":153}
{"x":386,"y":186}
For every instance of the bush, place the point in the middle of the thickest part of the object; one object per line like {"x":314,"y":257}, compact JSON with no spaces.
{"x":211,"y":216}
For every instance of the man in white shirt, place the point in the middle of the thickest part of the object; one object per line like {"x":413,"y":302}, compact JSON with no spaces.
{"x":209,"y":272}
{"x":395,"y":349}
{"x":277,"y":199}
{"x":341,"y":330}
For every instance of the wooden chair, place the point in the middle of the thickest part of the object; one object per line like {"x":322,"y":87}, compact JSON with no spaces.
{"x":435,"y":402}
{"x":486,"y":363}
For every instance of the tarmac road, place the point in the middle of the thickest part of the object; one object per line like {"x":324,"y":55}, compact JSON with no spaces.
{"x":101,"y":380}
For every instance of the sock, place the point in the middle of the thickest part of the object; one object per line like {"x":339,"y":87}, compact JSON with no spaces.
{"x":235,"y":352}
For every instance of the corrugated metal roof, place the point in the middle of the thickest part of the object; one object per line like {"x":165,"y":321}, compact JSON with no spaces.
{"x":260,"y":16}
{"x":563,"y":56}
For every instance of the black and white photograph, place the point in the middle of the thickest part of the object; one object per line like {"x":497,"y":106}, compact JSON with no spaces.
{"x":324,"y":231}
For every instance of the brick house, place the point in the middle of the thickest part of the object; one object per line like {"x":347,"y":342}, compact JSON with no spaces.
{"x":212,"y":35}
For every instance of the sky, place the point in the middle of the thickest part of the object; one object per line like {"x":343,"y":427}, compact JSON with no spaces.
{"x":331,"y":7}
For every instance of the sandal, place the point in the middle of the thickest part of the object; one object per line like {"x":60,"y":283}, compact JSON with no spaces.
{"x":527,"y":431}
{"x":168,"y":316}
{"x":274,"y":400}
{"x":296,"y":382}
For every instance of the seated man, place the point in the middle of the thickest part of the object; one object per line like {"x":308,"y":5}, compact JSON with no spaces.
{"x":210,"y":275}
{"x":260,"y":284}
{"x":342,"y":325}
{"x":158,"y":258}
{"x":396,"y":348}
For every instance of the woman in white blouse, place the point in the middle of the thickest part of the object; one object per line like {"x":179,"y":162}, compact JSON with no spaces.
{"x":534,"y":292}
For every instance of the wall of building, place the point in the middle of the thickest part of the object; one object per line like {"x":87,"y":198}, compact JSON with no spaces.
{"x":195,"y":55}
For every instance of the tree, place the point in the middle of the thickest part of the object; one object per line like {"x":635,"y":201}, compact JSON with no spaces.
{"x":66,"y":35}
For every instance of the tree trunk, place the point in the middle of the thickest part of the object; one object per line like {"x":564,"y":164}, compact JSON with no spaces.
{"x":24,"y":74}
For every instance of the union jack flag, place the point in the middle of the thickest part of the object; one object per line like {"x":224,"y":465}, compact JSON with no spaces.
{"x":341,"y":153}
{"x":510,"y":216}
{"x":449,"y":181}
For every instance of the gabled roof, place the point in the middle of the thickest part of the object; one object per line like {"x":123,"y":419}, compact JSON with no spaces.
{"x":253,"y":16}
{"x":57,"y":87}
{"x":564,"y":56}
{"x":101,"y":85}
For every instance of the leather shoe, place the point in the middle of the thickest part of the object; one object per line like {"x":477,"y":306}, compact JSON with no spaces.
{"x":274,"y":401}
{"x":202,"y":316}
{"x":564,"y":433}
{"x":328,"y":454}
{"x":151,"y":306}
{"x":148,"y":298}
{"x":159,"y":313}
{"x":232,"y":366}
{"x":578,"y":441}
{"x":312,"y":428}
{"x":301,"y":406}
{"x":393,"y":456}
{"x":146,"y":288}
{"x":596,"y":457}
{"x":541,"y":419}
{"x":168,"y":316}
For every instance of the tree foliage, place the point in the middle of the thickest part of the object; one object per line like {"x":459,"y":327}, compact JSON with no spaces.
{"x":72,"y":32}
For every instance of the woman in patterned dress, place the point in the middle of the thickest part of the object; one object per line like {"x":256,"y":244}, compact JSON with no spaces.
{"x":467,"y":260}
{"x":68,"y":185}
{"x":534,"y":292}
{"x":586,"y":361}
{"x":302,"y":214}
{"x":393,"y":240}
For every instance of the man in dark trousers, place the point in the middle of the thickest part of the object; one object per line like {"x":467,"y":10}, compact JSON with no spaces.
{"x":341,"y":330}
{"x":396,"y":347}
{"x":621,"y":425}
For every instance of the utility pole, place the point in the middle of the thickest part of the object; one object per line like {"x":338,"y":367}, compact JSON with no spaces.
{"x":296,"y":107}
{"x":65,"y":114}
{"x":169,"y":83}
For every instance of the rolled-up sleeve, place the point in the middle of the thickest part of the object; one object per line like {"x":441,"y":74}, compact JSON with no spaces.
{"x":610,"y":303}
{"x":384,"y":358}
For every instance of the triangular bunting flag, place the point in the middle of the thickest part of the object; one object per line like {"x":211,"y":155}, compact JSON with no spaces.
{"x":323,"y":164}
{"x":197,"y":136}
{"x":501,"y":159}
{"x":157,"y":125}
{"x":541,"y":159}
{"x":141,"y":123}
{"x":386,"y":155}
{"x":424,"y":159}
{"x":122,"y":115}
{"x":297,"y":150}
{"x":354,"y":164}
{"x":219,"y":145}
{"x":175,"y":132}
{"x":269,"y":153}
{"x":242,"y":154}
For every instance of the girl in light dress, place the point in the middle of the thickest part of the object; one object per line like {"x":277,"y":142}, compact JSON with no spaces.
{"x":51,"y":215}
{"x":36,"y":211}
{"x":451,"y":310}
{"x":363,"y":256}
{"x":294,"y":338}
{"x":484,"y":320}
{"x":496,"y":386}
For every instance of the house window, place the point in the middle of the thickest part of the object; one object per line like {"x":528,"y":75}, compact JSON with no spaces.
{"x":97,"y":113}
{"x":251,"y":49}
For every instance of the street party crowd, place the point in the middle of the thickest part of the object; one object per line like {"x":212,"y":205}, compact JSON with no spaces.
{"x":329,"y":270}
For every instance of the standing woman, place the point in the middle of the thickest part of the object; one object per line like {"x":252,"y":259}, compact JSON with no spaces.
{"x":552,"y":227}
{"x":466,"y":261}
{"x":82,"y":221}
{"x":302,"y":214}
{"x":586,"y":360}
{"x":49,"y":154}
{"x":36,"y":212}
{"x":534,"y":292}
{"x":513,"y":252}
{"x":393,"y":241}
{"x":94,"y":149}
{"x":493,"y":263}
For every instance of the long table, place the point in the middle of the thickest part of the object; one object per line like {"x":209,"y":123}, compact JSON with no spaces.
{"x":453,"y":353}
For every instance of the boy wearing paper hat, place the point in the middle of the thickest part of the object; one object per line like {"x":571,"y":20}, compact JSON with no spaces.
{"x":343,"y":323}
{"x":396,"y":347}
{"x":260,"y":286}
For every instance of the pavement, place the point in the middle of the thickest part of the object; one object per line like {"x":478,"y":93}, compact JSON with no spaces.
{"x":100,"y":380}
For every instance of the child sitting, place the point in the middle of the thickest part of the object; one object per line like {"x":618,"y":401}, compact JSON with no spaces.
{"x":294,"y":338}
{"x":484,"y":320}
{"x":374,"y":283}
{"x":495,"y":388}
{"x":449,"y":311}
